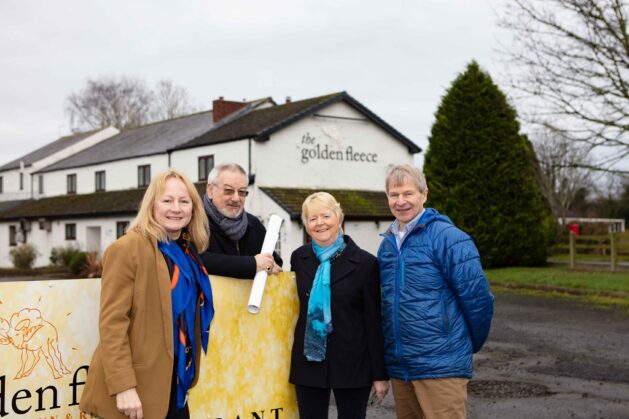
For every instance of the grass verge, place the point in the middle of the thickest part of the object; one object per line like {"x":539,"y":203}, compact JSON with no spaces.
{"x":601,"y":289}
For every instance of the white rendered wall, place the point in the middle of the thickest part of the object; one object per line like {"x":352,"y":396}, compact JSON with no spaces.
{"x":44,"y":240}
{"x":121,"y":174}
{"x":188,"y":160}
{"x":366,"y":234}
{"x":11,"y":184}
{"x":319,"y":152}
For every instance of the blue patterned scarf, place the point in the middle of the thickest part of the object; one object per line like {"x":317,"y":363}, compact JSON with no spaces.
{"x":319,"y":320}
{"x":189,"y":285}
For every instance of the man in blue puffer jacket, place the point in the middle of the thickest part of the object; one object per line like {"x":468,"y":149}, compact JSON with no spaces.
{"x":436,"y":303}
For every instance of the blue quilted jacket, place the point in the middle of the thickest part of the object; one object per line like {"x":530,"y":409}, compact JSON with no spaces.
{"x":436,"y":303}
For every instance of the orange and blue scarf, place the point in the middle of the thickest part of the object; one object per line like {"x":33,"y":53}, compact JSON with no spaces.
{"x":190,"y":285}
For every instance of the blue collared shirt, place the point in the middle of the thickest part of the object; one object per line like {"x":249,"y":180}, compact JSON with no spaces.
{"x":394,"y":228}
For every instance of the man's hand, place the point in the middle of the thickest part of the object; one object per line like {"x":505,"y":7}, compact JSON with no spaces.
{"x":265,"y":262}
{"x":129,"y":404}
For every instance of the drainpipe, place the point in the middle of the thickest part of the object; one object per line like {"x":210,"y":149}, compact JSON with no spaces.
{"x":252,"y":177}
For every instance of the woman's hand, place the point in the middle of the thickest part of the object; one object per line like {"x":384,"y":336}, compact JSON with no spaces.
{"x":129,"y":404}
{"x":380,"y":388}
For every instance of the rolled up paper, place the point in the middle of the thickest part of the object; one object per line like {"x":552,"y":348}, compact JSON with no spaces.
{"x":259,"y":281}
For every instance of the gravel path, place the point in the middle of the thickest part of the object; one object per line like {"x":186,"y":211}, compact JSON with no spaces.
{"x":547,"y":358}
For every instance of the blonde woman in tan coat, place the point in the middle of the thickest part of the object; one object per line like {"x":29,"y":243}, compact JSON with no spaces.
{"x":152,"y":290}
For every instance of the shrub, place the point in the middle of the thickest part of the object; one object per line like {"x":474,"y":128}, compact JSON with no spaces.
{"x":78,"y":262}
{"x":23,"y":256}
{"x":62,"y":256}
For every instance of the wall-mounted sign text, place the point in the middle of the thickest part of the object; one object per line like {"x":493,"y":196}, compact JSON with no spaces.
{"x":311,"y":150}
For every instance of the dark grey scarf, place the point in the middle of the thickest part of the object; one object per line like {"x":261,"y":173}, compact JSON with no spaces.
{"x":234,"y":228}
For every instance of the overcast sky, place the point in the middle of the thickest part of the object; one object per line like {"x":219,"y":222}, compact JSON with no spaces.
{"x":395,"y":57}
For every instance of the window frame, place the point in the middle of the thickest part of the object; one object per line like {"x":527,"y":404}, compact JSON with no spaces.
{"x":202,"y":162}
{"x":144,"y":175}
{"x":100,"y":181}
{"x":70,"y":231}
{"x":71,"y":183}
{"x":121,"y":227}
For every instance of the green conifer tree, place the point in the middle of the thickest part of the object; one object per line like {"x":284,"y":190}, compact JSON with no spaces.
{"x":480,"y":173}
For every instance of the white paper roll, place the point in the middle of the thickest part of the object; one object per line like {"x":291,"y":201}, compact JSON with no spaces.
{"x":259,"y":281}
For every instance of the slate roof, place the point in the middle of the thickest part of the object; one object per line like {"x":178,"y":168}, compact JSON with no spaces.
{"x":98,"y":204}
{"x":356,"y":205}
{"x":260,"y":124}
{"x":46,"y":150}
{"x":155,"y":138}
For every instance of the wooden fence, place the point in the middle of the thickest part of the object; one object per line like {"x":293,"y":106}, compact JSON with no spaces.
{"x":607,"y":248}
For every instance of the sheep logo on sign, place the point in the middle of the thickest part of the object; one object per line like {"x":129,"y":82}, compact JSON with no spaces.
{"x":27,"y":331}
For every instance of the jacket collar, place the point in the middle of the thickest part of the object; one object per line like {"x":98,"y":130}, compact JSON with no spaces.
{"x":347,"y":262}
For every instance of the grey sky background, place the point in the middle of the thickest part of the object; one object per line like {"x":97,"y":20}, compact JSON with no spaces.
{"x":396,"y":57}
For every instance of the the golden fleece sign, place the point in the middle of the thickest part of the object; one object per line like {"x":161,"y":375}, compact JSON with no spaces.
{"x":49,"y":329}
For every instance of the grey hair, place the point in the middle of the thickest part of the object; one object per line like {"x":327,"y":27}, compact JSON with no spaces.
{"x":217,"y":170}
{"x":397,"y":175}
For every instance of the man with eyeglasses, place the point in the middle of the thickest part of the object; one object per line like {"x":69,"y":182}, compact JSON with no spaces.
{"x":235,"y":235}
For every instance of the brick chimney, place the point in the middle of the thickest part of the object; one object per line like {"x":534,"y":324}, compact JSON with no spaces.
{"x":221,"y":108}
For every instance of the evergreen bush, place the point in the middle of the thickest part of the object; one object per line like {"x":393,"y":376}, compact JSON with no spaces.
{"x":63,"y":255}
{"x":23,"y":256}
{"x":480,"y":173}
{"x":78,"y":262}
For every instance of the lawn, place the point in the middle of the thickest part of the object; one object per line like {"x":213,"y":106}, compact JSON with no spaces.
{"x":597,"y":287}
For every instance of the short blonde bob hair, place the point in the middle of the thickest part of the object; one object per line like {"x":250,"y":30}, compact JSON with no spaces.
{"x":145,"y":223}
{"x":321,"y":200}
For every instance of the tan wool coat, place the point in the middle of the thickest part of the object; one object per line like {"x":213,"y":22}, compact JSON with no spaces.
{"x":136,"y":332}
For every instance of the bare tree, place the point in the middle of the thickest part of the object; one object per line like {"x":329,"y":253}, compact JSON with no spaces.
{"x":124,"y":102}
{"x":170,"y":101}
{"x":572,"y":68}
{"x":121,"y":102}
{"x":561,"y":176}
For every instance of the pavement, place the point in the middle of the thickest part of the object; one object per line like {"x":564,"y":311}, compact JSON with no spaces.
{"x":546,"y":358}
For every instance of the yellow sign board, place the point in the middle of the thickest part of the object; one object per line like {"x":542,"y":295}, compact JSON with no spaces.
{"x":245,"y":373}
{"x":49,"y":329}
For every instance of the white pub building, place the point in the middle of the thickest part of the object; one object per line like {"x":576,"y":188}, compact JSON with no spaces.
{"x":83,"y":190}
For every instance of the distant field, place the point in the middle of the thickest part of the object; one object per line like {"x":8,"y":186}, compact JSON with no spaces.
{"x":597,"y":287}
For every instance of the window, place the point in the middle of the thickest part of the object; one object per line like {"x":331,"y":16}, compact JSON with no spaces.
{"x":121,"y":227}
{"x":40,"y":184}
{"x":21,"y":181}
{"x":12,"y":236}
{"x":1,"y":186}
{"x":206,"y":163}
{"x":71,"y":183}
{"x":70,"y":231}
{"x":144,"y":175}
{"x":99,"y":179}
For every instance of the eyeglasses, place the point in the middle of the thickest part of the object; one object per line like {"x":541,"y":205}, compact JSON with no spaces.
{"x":227,"y":191}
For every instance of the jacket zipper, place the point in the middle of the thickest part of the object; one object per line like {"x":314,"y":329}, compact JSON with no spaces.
{"x":399,"y":278}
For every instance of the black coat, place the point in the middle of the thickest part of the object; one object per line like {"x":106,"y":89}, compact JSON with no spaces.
{"x":226,"y":257}
{"x":355,"y":347}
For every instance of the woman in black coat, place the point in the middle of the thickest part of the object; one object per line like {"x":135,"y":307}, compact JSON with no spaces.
{"x":338,"y":343}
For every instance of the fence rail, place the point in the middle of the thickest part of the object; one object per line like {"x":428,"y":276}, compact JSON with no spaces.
{"x":610,"y":248}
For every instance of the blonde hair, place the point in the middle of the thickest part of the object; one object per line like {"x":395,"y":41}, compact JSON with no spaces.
{"x":397,"y":175}
{"x":321,"y":200}
{"x":145,"y":223}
